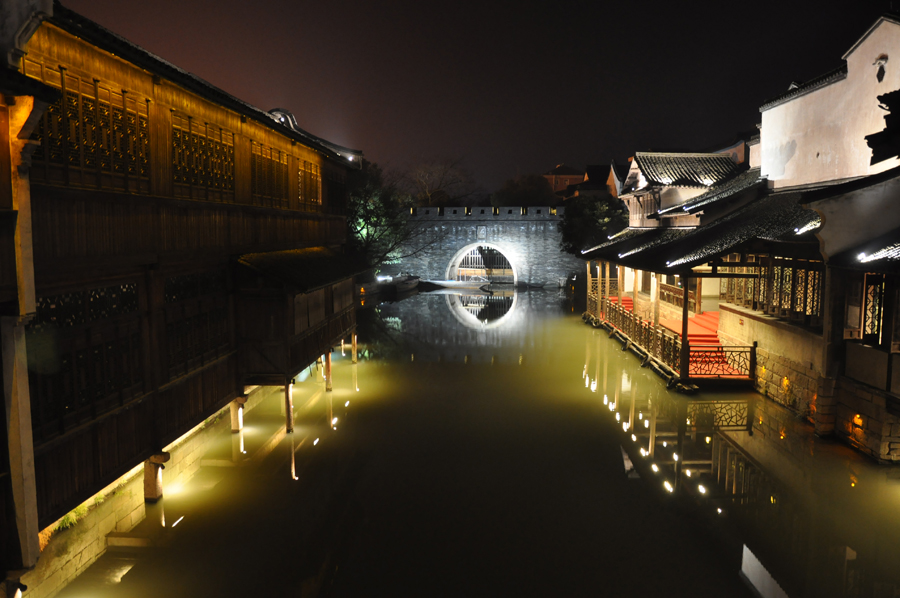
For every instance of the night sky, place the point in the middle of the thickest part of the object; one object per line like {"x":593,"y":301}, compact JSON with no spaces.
{"x":510,"y":87}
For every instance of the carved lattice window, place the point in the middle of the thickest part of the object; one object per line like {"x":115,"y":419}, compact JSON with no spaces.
{"x":92,"y":136}
{"x":202,"y":158}
{"x":268,"y":176}
{"x":309,"y":186}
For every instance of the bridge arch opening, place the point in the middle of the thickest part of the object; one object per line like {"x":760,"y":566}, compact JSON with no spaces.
{"x":482,"y":262}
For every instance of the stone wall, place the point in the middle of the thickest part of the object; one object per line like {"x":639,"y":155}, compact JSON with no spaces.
{"x":863,"y":421}
{"x":529,"y":241}
{"x":788,"y":357}
{"x":119,"y":508}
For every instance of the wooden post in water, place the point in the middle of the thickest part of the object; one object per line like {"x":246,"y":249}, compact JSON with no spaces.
{"x":153,"y":487}
{"x":353,"y":350}
{"x":288,"y":406}
{"x":653,"y":409}
{"x":328,"y":371}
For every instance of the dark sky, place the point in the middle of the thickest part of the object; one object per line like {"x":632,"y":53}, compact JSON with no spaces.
{"x":511,"y":87}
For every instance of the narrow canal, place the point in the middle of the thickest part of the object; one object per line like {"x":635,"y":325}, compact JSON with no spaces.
{"x":471,"y":452}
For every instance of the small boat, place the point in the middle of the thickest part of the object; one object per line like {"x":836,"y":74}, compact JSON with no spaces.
{"x":396,"y":285}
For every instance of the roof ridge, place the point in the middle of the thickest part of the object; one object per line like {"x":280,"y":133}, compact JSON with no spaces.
{"x":79,"y":25}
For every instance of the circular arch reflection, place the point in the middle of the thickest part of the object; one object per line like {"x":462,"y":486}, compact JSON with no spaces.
{"x":482,"y":312}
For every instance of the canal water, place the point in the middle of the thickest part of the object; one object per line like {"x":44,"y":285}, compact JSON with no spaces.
{"x":488,"y":446}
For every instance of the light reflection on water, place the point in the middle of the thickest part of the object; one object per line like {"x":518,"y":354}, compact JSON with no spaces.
{"x":485,"y":459}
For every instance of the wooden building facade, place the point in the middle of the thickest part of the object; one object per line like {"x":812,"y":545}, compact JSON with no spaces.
{"x":130,"y":191}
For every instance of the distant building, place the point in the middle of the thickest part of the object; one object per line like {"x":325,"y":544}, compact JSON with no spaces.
{"x":562,"y":176}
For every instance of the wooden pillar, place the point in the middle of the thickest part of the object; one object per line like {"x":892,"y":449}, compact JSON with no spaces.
{"x":684,"y":363}
{"x":237,"y":414}
{"x":655,"y":294}
{"x":353,"y":350}
{"x":621,"y":282}
{"x":634,"y":291}
{"x":328,"y":371}
{"x":153,"y":486}
{"x":320,"y":369}
{"x":653,"y":410}
{"x":17,"y":399}
{"x":606,"y":276}
{"x":587,"y":293}
{"x":288,"y":406}
{"x":699,"y":297}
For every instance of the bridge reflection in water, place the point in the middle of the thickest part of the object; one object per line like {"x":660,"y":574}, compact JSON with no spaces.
{"x":809,"y":517}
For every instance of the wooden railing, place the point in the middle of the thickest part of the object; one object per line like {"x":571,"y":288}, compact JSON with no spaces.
{"x":655,"y":340}
{"x":675,"y":296}
{"x":714,"y":361}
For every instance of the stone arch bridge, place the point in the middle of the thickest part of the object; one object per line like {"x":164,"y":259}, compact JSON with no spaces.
{"x":528,"y":239}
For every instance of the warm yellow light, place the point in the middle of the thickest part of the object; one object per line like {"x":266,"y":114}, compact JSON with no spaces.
{"x":646,"y":423}
{"x":719,"y":511}
{"x":708,"y":440}
{"x":618,"y":417}
{"x":179,"y":521}
{"x":664,"y":443}
{"x":668,"y":486}
{"x":605,"y":400}
{"x":633,"y":438}
{"x":334,"y":421}
{"x":624,"y":426}
{"x":347,"y":404}
{"x":640,"y":415}
{"x":675,"y":456}
{"x":701,"y":489}
{"x":315,"y":442}
{"x":654,"y":468}
{"x":688,"y":472}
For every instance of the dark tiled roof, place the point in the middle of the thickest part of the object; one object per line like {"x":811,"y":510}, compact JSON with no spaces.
{"x":807,"y":87}
{"x":881,"y":254}
{"x":620,"y":170}
{"x":629,"y":237}
{"x":80,"y":26}
{"x":685,"y":170}
{"x":563,"y":170}
{"x":597,"y":173}
{"x":727,"y":190}
{"x":304,"y":270}
{"x":774,"y":219}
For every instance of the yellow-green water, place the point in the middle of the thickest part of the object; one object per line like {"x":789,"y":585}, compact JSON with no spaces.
{"x":473,"y":455}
